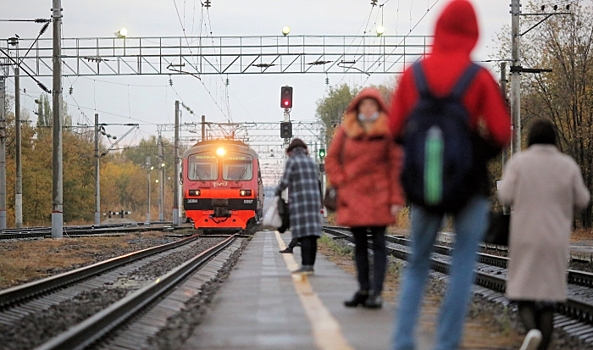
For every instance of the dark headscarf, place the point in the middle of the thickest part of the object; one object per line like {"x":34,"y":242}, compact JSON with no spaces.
{"x":543,"y":132}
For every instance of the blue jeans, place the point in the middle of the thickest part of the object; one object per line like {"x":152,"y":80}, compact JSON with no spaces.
{"x":470,"y":226}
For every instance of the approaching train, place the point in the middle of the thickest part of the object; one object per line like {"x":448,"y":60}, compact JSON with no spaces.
{"x":222,"y":185}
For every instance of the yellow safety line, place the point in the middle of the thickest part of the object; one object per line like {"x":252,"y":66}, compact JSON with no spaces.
{"x":326,"y":328}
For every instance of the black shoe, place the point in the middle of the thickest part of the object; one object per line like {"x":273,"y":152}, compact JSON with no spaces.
{"x":287,"y":250}
{"x":373,"y":302}
{"x":305,"y":270}
{"x":359,"y":298}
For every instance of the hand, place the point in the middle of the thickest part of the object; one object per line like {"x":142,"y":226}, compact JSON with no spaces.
{"x":395,"y":209}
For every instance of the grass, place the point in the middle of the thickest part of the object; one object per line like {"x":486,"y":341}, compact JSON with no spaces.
{"x":338,"y":249}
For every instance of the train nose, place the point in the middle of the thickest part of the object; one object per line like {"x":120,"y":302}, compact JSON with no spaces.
{"x":221,"y":208}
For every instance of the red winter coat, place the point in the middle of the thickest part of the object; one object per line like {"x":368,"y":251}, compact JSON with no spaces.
{"x":456,"y":34}
{"x":365,"y":168}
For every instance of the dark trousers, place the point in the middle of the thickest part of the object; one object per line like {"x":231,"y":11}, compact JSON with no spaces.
{"x":293,"y":243}
{"x":308,"y":250}
{"x":538,"y":315}
{"x":361,"y":257}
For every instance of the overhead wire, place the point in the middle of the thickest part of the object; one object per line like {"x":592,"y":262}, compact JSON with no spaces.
{"x":408,"y":34}
{"x":191,"y":52}
{"x":365,"y":25}
{"x":225,"y":91}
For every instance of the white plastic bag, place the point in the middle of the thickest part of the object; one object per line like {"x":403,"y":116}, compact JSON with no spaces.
{"x":272,"y":218}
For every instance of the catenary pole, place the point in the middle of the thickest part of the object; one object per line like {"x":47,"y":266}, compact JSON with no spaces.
{"x":148,"y":168}
{"x":176,"y":175}
{"x":18,"y":184}
{"x":161,"y":179}
{"x":97,"y":174}
{"x":57,"y":214}
{"x":503,"y":90}
{"x":2,"y":151}
{"x":515,"y":76}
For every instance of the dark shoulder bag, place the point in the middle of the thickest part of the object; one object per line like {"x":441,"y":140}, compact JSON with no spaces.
{"x":283,"y":212}
{"x":498,"y":230}
{"x":330,"y":198}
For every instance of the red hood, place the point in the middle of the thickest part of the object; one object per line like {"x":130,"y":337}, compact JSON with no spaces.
{"x":456,"y":29}
{"x":368,"y":93}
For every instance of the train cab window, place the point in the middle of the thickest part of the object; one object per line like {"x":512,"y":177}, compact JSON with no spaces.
{"x":237,"y":167}
{"x":203,"y":166}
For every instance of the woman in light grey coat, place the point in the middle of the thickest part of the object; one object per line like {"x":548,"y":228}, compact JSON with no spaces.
{"x":544,"y":188}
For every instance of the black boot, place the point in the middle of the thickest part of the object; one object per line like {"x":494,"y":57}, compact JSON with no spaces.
{"x":373,"y":302}
{"x":288,"y":250}
{"x":358,"y":299}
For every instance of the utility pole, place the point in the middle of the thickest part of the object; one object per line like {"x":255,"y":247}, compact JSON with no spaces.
{"x":57,"y":214}
{"x":97,"y":174}
{"x":176,"y":174}
{"x":515,"y":77}
{"x":2,"y":150}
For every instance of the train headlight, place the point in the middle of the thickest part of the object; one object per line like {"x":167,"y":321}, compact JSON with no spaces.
{"x":220,"y":151}
{"x":244,"y":193}
{"x":194,"y":192}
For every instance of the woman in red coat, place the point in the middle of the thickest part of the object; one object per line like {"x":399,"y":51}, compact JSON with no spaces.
{"x":364,"y":164}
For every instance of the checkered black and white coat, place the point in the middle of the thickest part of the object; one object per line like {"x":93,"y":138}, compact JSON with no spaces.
{"x":301,"y":176}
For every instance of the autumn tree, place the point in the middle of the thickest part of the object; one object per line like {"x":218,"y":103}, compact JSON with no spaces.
{"x":563,"y":43}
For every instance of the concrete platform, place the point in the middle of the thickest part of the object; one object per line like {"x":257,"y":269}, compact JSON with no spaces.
{"x":261,"y":306}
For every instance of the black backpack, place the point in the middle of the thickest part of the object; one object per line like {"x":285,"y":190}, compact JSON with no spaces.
{"x":438,"y":146}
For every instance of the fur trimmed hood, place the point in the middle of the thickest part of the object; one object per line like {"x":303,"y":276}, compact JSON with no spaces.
{"x":379,"y":127}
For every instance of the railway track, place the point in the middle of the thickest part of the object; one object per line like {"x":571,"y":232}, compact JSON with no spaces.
{"x":576,"y":315}
{"x":86,"y":230}
{"x":74,"y":309}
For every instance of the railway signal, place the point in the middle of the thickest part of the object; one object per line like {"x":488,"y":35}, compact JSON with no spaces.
{"x":286,"y":97}
{"x":286,"y":130}
{"x":321,"y":153}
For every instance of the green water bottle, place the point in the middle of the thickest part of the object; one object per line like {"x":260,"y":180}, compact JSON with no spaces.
{"x":433,"y":166}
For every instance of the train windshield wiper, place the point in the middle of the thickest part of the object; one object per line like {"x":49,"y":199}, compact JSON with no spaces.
{"x":241,"y":176}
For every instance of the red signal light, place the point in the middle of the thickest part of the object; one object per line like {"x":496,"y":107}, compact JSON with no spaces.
{"x":286,"y":97}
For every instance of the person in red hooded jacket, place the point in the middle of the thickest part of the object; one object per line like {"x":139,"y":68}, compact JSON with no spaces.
{"x":456,"y":34}
{"x":364,"y":164}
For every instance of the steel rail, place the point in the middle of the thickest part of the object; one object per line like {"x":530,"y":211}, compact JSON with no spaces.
{"x":98,"y":325}
{"x":573,"y":308}
{"x":27,"y":291}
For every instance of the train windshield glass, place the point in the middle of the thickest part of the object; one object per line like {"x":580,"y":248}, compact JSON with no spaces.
{"x":237,"y":167}
{"x":203,"y":166}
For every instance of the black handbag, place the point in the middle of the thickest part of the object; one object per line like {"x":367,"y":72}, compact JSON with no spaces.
{"x":330,"y":199}
{"x":498,"y":230}
{"x":283,"y":212}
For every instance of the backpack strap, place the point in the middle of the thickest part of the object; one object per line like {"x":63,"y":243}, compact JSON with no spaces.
{"x":420,"y":80}
{"x":458,"y":90}
{"x":463,"y":83}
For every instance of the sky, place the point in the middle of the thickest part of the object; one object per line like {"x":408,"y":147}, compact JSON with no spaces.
{"x":149,"y":100}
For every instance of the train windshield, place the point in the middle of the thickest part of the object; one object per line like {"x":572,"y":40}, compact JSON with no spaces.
{"x":203,"y":166}
{"x":237,"y":167}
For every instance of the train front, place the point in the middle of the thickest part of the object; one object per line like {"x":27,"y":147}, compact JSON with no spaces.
{"x":221,"y":185}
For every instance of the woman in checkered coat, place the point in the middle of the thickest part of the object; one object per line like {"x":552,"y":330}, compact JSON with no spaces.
{"x":301,"y":176}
